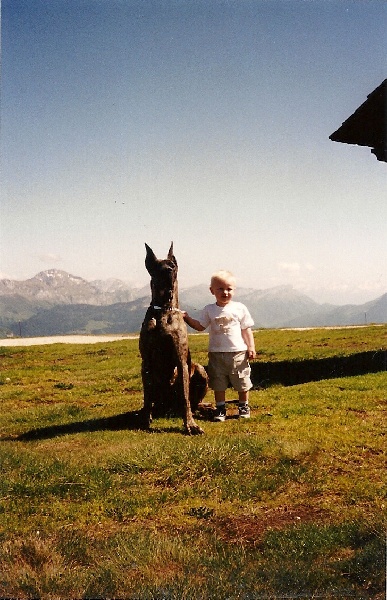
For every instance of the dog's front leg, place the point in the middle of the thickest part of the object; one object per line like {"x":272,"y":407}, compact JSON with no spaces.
{"x":191,"y":428}
{"x":146,"y":411}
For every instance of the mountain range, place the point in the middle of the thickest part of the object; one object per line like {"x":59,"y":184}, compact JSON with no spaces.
{"x":57,"y":303}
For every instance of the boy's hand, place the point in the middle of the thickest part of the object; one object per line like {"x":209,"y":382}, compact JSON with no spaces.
{"x":251,"y":354}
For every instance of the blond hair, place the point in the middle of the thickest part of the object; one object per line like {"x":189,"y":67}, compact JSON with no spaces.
{"x":224,"y":276}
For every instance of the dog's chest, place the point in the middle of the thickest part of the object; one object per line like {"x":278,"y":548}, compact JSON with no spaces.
{"x":165,"y":323}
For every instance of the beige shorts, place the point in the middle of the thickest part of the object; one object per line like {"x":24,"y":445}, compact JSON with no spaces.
{"x":225,"y":368}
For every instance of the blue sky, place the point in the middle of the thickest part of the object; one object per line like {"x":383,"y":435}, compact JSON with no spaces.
{"x":205,"y":122}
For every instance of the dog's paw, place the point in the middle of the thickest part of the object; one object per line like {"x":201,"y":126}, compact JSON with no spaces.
{"x":193,"y":429}
{"x":145,"y":420}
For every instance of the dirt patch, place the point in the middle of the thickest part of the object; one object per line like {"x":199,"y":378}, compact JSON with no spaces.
{"x":251,"y":529}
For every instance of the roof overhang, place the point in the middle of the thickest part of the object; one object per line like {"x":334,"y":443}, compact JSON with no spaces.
{"x":367,"y":126}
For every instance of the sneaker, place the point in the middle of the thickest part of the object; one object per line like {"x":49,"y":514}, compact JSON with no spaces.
{"x":220,"y":414}
{"x":244,"y":411}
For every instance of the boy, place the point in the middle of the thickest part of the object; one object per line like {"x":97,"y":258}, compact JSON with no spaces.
{"x":231,"y":344}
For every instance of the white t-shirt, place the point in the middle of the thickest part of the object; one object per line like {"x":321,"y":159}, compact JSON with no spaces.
{"x":226,"y":324}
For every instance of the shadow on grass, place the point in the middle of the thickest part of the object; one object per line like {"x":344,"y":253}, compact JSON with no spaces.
{"x":125,"y":421}
{"x":265,"y":374}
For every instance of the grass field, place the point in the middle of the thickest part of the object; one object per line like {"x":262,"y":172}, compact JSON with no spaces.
{"x":288,"y":504}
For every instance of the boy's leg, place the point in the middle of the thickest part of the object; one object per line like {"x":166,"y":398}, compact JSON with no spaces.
{"x":220,"y":398}
{"x":220,"y":401}
{"x":243,"y":397}
{"x":218,"y":381}
{"x":241,"y":382}
{"x":244,"y":409}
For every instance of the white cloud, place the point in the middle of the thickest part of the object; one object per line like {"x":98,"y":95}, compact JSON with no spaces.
{"x":50,"y":258}
{"x":289,"y":267}
{"x":309,"y":267}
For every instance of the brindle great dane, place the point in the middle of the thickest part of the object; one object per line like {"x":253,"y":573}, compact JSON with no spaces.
{"x":167,"y":370}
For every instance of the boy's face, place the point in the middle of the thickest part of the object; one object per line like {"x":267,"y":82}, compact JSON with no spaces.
{"x":223,"y":291}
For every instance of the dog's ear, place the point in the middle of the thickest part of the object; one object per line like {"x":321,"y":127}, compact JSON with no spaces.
{"x":150,"y":259}
{"x":171,"y":255}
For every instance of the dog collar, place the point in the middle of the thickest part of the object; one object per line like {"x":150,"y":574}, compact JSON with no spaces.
{"x":162,"y":308}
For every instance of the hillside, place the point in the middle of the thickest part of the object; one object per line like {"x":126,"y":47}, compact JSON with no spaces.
{"x":124,"y":317}
{"x":351,"y":314}
{"x":275,"y":306}
{"x":17,"y":308}
{"x":57,"y":303}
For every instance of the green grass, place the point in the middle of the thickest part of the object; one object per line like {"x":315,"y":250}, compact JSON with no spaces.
{"x":292,"y":344}
{"x":290,"y":503}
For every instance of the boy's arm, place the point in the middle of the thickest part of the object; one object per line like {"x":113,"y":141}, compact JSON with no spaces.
{"x":248,"y":338}
{"x":192,"y":322}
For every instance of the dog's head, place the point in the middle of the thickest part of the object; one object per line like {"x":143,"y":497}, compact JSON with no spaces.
{"x":163,"y":274}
